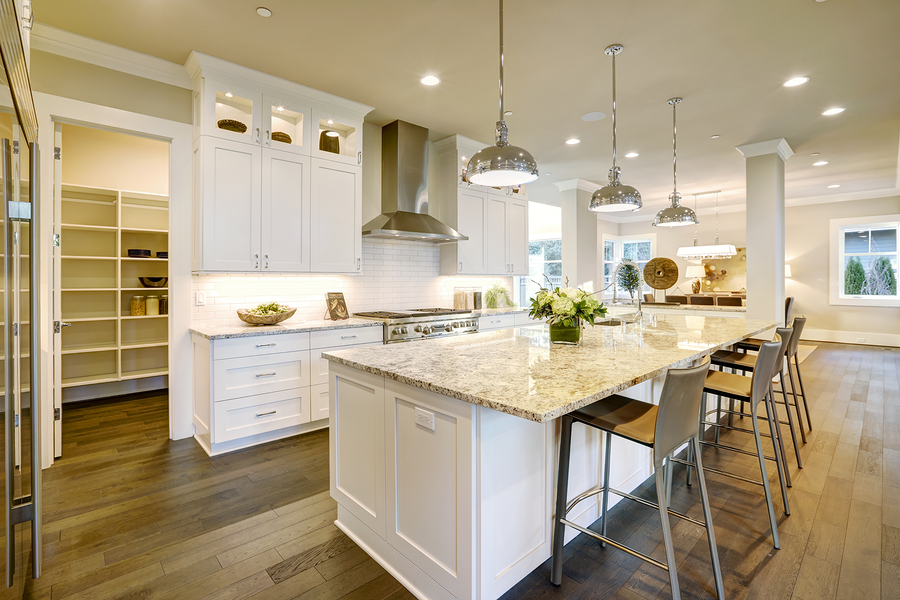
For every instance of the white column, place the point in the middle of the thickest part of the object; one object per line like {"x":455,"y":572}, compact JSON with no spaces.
{"x":765,"y":228}
{"x":579,"y":235}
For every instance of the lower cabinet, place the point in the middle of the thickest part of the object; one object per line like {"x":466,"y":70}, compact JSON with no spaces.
{"x":252,"y":390}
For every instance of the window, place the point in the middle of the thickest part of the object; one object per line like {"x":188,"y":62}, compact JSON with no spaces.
{"x":544,"y":262}
{"x":864,"y":261}
{"x":639,"y":249}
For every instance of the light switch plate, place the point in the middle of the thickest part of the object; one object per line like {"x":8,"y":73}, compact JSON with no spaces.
{"x":200,"y":299}
{"x":425,"y":418}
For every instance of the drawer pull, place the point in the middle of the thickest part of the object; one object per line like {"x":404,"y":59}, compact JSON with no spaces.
{"x":271,"y":412}
{"x":492,"y":322}
{"x":265,"y":374}
{"x":348,"y":337}
{"x":265,"y":345}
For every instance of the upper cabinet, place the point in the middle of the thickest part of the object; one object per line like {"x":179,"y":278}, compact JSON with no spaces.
{"x":277,"y":174}
{"x":494,"y":219}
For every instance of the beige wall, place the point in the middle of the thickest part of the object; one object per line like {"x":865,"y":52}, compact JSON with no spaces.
{"x":807,"y":249}
{"x":104,"y":159}
{"x":69,"y":78}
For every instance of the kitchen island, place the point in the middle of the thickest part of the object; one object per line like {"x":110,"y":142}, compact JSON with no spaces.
{"x":442,"y":452}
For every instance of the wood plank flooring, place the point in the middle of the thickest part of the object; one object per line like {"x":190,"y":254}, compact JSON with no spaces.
{"x":132,"y":515}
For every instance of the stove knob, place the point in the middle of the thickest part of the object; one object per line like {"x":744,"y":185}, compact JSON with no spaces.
{"x":404,"y":330}
{"x":396,"y":331}
{"x":419,"y":328}
{"x":426,"y":330}
{"x":455,"y":324}
{"x":448,"y":328}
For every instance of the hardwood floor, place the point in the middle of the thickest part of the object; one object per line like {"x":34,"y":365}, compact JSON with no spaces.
{"x":841,"y":541}
{"x":130,"y":514}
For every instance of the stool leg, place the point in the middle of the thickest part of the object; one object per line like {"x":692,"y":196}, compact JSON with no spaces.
{"x":690,"y":459}
{"x":765,"y":477}
{"x":666,"y":530}
{"x":797,"y":401}
{"x":779,"y":457}
{"x":606,"y":465}
{"x":775,"y":422}
{"x":802,"y":390}
{"x":669,"y":465}
{"x":562,"y":486}
{"x":718,"y":416}
{"x":787,"y":409}
{"x":707,"y":516}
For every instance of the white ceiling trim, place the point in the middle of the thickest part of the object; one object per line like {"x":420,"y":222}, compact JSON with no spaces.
{"x":580,"y":184}
{"x":91,"y":51}
{"x":779,"y":147}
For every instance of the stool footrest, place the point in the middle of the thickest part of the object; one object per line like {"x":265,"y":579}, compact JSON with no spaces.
{"x":733,"y":449}
{"x":638,"y":499}
{"x":719,"y":472}
{"x":616,"y":544}
{"x":732,"y":428}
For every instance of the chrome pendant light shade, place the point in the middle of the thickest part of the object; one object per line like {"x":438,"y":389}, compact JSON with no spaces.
{"x":501,"y":165}
{"x":615,"y":197}
{"x":675,"y":215}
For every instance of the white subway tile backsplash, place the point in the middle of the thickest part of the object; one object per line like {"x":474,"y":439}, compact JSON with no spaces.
{"x":395,"y":275}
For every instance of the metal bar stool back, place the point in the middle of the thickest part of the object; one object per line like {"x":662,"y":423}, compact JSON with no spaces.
{"x":793,"y":348}
{"x":662,"y":428}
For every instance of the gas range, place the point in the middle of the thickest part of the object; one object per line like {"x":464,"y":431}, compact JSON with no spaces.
{"x":422,"y":323}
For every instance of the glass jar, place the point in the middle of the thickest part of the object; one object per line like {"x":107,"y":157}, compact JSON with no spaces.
{"x":152,"y":305}
{"x":138,"y":306}
{"x":163,"y":305}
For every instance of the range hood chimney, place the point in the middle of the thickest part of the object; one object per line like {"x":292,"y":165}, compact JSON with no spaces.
{"x":404,"y":189}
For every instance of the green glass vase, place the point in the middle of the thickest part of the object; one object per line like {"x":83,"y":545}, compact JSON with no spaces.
{"x":566,"y":334}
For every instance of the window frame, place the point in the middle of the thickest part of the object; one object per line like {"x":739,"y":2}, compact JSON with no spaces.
{"x":837,"y":256}
{"x":619,"y":242}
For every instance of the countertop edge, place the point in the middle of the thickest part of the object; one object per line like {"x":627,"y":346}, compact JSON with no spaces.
{"x":263,"y":330}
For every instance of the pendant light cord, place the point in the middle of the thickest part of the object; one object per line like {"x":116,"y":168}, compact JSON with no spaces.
{"x":717,"y":218}
{"x":501,"y":61}
{"x":614,"y":108}
{"x":674,"y":151}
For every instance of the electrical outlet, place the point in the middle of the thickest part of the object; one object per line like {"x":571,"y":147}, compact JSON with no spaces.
{"x":425,"y":418}
{"x":200,"y":299}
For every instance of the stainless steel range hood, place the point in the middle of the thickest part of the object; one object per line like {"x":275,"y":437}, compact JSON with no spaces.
{"x":404,"y":189}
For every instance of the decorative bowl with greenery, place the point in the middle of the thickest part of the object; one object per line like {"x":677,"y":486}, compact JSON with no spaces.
{"x":497,"y":296}
{"x":565,"y":309}
{"x":267,"y":313}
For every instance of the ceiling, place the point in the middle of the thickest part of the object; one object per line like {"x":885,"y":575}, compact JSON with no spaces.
{"x":727,"y":60}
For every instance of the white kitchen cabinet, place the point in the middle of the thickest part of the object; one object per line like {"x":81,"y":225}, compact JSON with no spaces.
{"x":286,"y":123}
{"x":517,"y":228}
{"x":507,"y":235}
{"x":494,"y":322}
{"x":336,"y":137}
{"x":216,"y":100}
{"x":467,"y":257}
{"x":335,"y":217}
{"x":227,"y":204}
{"x":285,"y":239}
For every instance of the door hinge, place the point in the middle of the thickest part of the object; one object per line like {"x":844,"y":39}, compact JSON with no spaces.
{"x":57,"y":240}
{"x":15,"y":146}
{"x":57,"y":414}
{"x":57,"y":153}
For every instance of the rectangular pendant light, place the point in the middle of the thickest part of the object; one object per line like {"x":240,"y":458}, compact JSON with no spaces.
{"x":706,"y":252}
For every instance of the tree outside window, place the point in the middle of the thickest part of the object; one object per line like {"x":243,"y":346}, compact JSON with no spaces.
{"x":869,"y":265}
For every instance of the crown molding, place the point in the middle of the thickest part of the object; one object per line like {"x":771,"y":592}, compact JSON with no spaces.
{"x":779,"y":147}
{"x":78,"y":47}
{"x":580,"y":184}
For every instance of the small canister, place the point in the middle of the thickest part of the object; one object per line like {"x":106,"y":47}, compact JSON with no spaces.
{"x":477,"y":300}
{"x":163,"y":305}
{"x":138,"y":306}
{"x":459,"y":298}
{"x":152,"y":305}
{"x":470,"y":299}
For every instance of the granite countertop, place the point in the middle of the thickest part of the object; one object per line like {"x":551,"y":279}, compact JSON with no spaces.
{"x":222,"y":332}
{"x":646,"y":306}
{"x":518,"y":372}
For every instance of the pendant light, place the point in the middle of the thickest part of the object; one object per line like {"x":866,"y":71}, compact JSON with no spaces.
{"x":697,"y":252}
{"x":675,"y":215}
{"x":615,"y":196}
{"x":501,"y":165}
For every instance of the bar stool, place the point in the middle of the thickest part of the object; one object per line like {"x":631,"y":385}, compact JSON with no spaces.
{"x":662,"y":428}
{"x":755,"y":343}
{"x":741,"y":361}
{"x":754,"y":389}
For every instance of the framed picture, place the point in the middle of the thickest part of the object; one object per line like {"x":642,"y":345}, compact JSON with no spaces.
{"x":337,"y":307}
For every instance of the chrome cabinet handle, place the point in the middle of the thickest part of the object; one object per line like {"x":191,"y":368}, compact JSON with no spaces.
{"x":267,"y":261}
{"x":359,"y":264}
{"x":492,"y":322}
{"x":348,"y":337}
{"x":271,"y":412}
{"x":460,"y":266}
{"x":359,"y":158}
{"x":256,"y":257}
{"x":268,"y":141}
{"x":265,"y":345}
{"x":258,"y":375}
{"x":257,"y":135}
{"x":64,"y":324}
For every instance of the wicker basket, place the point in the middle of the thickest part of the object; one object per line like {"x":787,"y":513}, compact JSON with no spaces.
{"x":248,"y":317}
{"x":280,"y":136}
{"x":231,"y":125}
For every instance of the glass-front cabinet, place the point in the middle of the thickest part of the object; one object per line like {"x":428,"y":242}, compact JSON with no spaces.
{"x":337,"y":137}
{"x":286,"y":124}
{"x":228,"y":111}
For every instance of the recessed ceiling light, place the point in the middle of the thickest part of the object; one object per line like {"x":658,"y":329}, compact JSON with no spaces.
{"x":795,"y":81}
{"x":814,"y":154}
{"x":263,"y":11}
{"x":573,"y":141}
{"x":280,"y":109}
{"x":821,"y":163}
{"x":715,"y":137}
{"x":833,"y":111}
{"x":508,"y":113}
{"x":593,"y":116}
{"x":632,"y":155}
{"x":330,"y":121}
{"x":547,"y":174}
{"x":229,"y":95}
{"x":836,"y":185}
{"x":332,"y":133}
{"x":430,"y":80}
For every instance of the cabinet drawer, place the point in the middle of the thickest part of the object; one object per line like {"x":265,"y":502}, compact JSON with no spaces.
{"x":523,"y":320}
{"x":250,"y":376}
{"x":331,"y":338}
{"x":496,"y":322}
{"x":249,"y":416}
{"x":260,"y":345}
{"x":318,"y":402}
{"x":319,"y":366}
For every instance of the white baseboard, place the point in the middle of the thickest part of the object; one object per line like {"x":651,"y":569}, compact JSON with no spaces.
{"x":852,"y":337}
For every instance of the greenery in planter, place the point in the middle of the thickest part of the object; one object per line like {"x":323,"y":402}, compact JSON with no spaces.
{"x":629,"y":278}
{"x":854,"y":277}
{"x":496,"y":295}
{"x":880,"y":280}
{"x":268,"y":308}
{"x":565,"y":306}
